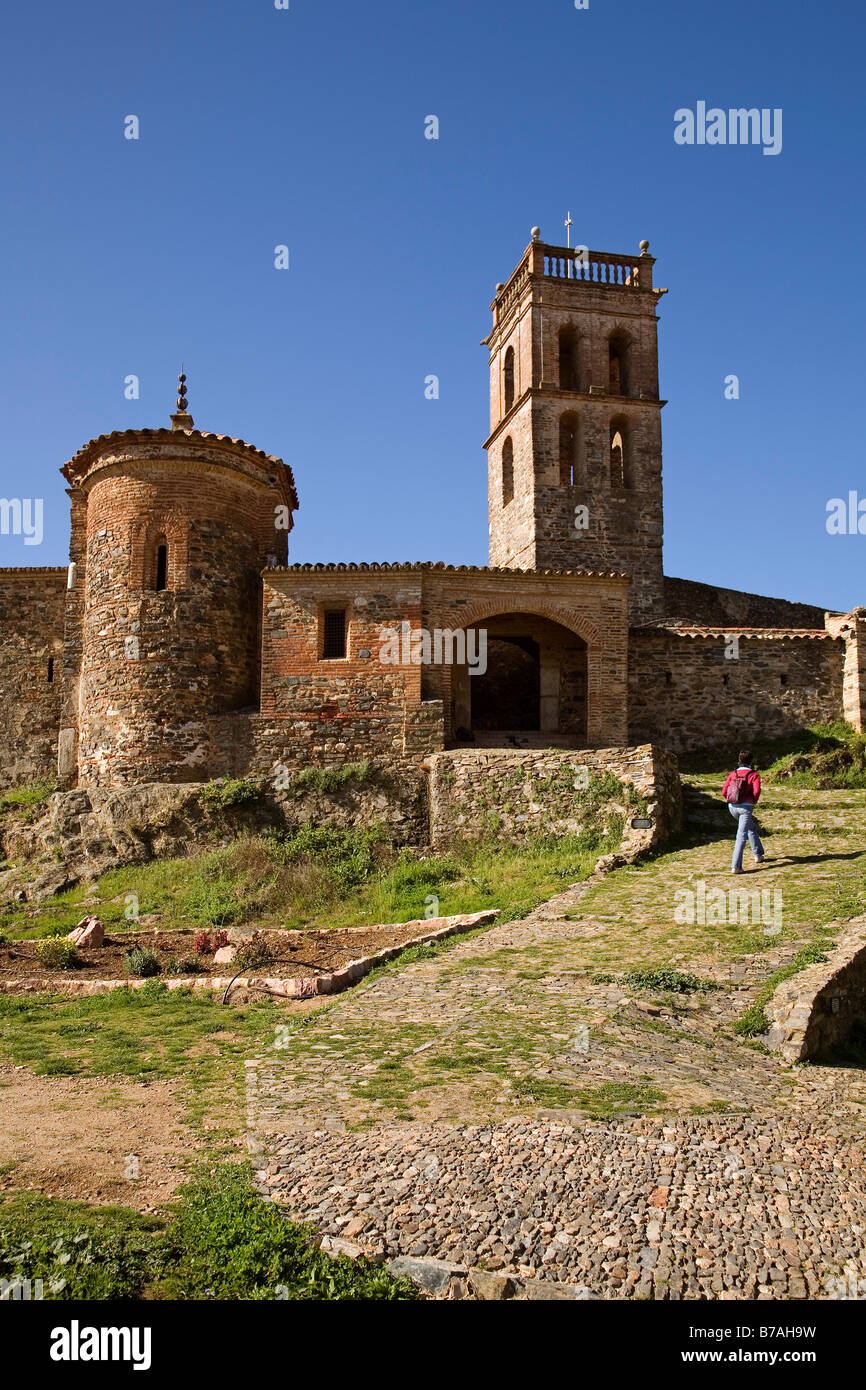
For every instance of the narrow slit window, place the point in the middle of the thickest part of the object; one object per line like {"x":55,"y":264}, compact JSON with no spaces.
{"x":568,"y":450}
{"x":509,"y":378}
{"x":50,"y":668}
{"x":507,"y":471}
{"x":617,"y":460}
{"x":568,"y":373}
{"x":334,"y":636}
{"x":161,"y":567}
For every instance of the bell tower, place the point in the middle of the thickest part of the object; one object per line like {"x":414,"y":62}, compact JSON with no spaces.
{"x":574,"y":454}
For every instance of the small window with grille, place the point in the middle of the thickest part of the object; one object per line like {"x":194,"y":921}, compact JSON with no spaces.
{"x":334,"y":634}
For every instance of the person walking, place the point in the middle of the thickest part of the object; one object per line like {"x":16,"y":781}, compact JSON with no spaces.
{"x":742,"y":791}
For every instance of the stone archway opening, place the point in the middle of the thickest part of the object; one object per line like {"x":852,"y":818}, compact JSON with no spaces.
{"x":532,"y":690}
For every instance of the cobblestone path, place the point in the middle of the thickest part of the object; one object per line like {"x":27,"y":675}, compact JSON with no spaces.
{"x":507,"y":1103}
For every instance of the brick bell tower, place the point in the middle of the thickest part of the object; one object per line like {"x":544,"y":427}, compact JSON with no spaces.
{"x":574,"y":454}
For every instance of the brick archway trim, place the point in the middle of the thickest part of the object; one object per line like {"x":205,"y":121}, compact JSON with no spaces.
{"x":539,"y":608}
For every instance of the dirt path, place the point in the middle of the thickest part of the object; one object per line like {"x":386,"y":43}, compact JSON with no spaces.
{"x":102,"y":1139}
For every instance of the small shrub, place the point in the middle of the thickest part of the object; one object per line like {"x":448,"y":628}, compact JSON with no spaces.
{"x":254,"y":954}
{"x":56,"y":953}
{"x":205,"y":943}
{"x":31,"y":794}
{"x":59,"y":1066}
{"x":215,"y":902}
{"x":228,"y":791}
{"x":330,"y":779}
{"x":183,"y":965}
{"x":666,"y":979}
{"x":79,"y":1252}
{"x":141,"y":961}
{"x":752,"y":1022}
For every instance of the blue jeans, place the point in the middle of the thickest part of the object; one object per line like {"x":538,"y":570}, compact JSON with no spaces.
{"x":742,"y":813}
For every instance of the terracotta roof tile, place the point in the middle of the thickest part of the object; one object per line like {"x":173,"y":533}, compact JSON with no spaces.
{"x":733,"y":629}
{"x":348,"y":567}
{"x":94,"y":446}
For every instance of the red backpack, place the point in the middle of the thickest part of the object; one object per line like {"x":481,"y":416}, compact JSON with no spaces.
{"x":739,"y":789}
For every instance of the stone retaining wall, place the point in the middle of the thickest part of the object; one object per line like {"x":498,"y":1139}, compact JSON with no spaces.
{"x":476,"y":792}
{"x":815,"y":1011}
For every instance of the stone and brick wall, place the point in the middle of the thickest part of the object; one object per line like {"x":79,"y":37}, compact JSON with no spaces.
{"x":337,"y":710}
{"x":851,"y":627}
{"x":536,"y":528}
{"x":475,"y":793}
{"x":157,"y":667}
{"x":31,"y":672}
{"x":685,"y":694}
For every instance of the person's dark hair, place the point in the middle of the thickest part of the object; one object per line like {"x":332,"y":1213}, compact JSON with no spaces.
{"x":744,"y":757}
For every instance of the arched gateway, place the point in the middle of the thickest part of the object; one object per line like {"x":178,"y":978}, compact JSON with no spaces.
{"x":524,"y":683}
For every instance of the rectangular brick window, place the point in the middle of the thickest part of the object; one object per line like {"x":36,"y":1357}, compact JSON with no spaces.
{"x":334,"y":634}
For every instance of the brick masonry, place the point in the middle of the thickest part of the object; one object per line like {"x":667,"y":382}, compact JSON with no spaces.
{"x":333,"y":710}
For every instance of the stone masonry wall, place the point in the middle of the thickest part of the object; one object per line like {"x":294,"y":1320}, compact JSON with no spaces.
{"x":516,"y":794}
{"x":706,"y":605}
{"x":815,"y":1011}
{"x":31,"y":647}
{"x":685,"y":694}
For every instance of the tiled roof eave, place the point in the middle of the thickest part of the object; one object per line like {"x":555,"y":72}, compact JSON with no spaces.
{"x":94,"y":447}
{"x":766,"y":634}
{"x":439,"y":566}
{"x":34,"y":569}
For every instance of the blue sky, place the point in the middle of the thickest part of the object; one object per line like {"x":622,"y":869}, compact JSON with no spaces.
{"x":306,"y":128}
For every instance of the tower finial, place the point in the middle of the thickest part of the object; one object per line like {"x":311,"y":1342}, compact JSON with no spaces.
{"x":182,"y":420}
